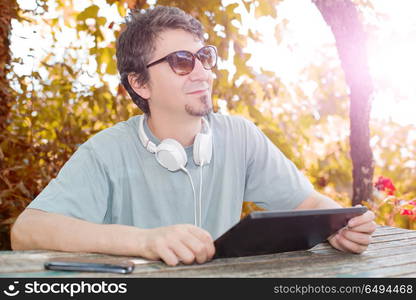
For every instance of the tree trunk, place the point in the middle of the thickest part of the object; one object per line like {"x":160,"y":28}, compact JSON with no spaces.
{"x":342,"y":17}
{"x":8,"y":9}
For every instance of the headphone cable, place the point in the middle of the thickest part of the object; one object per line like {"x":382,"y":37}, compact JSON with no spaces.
{"x":193,"y":190}
{"x":200,"y":195}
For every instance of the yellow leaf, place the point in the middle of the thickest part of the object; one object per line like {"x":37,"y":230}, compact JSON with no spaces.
{"x":249,"y":207}
{"x":111,"y":68}
{"x":121,"y":9}
{"x":265,"y":8}
{"x":230,"y":8}
{"x":101,"y":21}
{"x":89,"y":12}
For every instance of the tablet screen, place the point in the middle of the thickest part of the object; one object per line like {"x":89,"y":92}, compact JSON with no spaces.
{"x":269,"y":232}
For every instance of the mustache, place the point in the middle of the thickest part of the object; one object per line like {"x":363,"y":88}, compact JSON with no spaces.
{"x":196,"y":86}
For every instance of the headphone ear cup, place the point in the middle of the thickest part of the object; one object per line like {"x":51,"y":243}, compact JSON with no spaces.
{"x":202,"y":148}
{"x":171,"y":155}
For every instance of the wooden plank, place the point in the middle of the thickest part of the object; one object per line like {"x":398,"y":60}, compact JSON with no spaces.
{"x":31,"y":261}
{"x":411,"y":274}
{"x":383,"y":228}
{"x":394,"y":237}
{"x":322,"y":263}
{"x":228,"y":263}
{"x":386,"y":271}
{"x":380,"y":235}
{"x":285,"y":269}
{"x":389,"y":255}
{"x":378,"y":259}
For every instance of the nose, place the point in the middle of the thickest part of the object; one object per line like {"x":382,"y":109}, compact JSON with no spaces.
{"x":199,"y":72}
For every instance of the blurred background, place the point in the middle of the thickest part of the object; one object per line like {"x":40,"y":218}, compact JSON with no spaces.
{"x":331,"y":83}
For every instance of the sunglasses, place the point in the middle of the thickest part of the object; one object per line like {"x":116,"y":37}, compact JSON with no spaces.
{"x":183,"y":62}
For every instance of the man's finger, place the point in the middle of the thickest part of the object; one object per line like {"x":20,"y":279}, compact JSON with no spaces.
{"x":182,"y":251}
{"x":205,"y":238}
{"x":368,"y":216}
{"x":198,"y":248}
{"x":356,"y":237}
{"x":168,"y":256}
{"x":368,"y":227}
{"x":334,"y":241}
{"x":350,"y":246}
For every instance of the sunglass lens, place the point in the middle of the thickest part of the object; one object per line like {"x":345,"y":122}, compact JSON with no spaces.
{"x":182,"y":62}
{"x":208,"y":57}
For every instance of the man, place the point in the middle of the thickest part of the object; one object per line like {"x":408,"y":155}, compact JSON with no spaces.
{"x":129,"y":190}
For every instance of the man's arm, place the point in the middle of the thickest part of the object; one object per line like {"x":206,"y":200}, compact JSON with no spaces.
{"x":356,"y":236}
{"x":318,"y":201}
{"x":36,"y":229}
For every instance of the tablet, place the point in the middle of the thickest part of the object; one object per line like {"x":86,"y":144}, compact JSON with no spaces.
{"x":266,"y":232}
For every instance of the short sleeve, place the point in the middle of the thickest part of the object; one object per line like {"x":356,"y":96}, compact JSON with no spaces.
{"x":272,"y":180}
{"x":81,"y":189}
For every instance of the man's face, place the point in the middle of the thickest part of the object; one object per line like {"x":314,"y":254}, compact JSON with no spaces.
{"x":175,"y":94}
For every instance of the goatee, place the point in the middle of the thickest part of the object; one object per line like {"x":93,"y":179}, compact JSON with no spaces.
{"x":205,"y":110}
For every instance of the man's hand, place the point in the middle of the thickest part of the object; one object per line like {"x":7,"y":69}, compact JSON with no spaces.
{"x":178,"y":243}
{"x":356,"y":236}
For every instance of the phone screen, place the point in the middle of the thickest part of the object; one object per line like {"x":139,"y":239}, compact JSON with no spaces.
{"x":90,"y":265}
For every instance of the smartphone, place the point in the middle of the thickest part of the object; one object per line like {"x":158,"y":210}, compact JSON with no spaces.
{"x":90,"y":265}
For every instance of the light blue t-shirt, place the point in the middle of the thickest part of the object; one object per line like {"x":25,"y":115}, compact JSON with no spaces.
{"x":113,"y":179}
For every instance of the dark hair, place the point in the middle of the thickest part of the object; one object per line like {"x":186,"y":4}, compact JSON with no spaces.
{"x":136,"y":43}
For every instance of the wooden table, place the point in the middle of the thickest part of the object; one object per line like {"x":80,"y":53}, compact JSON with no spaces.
{"x":391,"y":254}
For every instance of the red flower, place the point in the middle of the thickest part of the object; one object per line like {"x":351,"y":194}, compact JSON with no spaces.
{"x":385,"y":184}
{"x":407,"y":212}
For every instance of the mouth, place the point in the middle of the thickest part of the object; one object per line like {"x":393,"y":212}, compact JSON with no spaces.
{"x":198,"y":92}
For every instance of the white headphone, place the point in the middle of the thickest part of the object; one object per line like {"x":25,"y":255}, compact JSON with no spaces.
{"x":171,"y":154}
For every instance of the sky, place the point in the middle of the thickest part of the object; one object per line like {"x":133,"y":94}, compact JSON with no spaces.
{"x":391,"y":50}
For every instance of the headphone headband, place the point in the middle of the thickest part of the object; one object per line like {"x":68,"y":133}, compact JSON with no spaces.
{"x":149,"y":145}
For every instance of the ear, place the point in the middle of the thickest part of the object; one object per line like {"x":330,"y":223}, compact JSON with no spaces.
{"x":142,"y":90}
